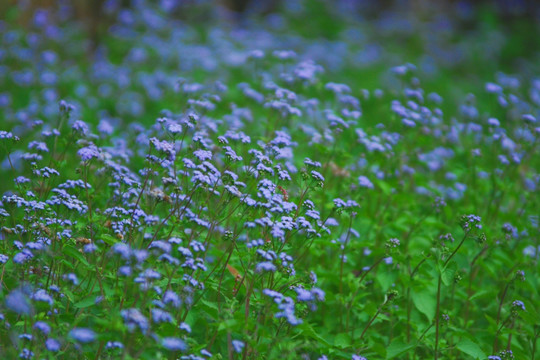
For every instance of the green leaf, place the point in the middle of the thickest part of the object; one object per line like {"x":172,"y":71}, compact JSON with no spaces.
{"x":111,"y":240}
{"x":471,"y":348}
{"x":425,"y":303}
{"x":448,"y":273}
{"x":397,"y":348}
{"x":73,"y":252}
{"x":210,"y":308}
{"x":530,"y":315}
{"x":480,"y":294}
{"x":308,"y":331}
{"x":227,"y":324}
{"x":386,"y":189}
{"x":89,"y":301}
{"x":342,"y":340}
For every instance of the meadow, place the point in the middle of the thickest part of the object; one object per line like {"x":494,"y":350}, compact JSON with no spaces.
{"x":325,"y":182}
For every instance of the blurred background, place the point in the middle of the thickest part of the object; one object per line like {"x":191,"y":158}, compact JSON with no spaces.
{"x":322,"y":17}
{"x":86,"y":50}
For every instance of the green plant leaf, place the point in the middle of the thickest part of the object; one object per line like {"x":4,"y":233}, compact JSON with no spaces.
{"x":342,"y":340}
{"x":448,"y":273}
{"x":73,"y":252}
{"x":89,"y":301}
{"x":471,"y":348}
{"x":111,"y":240}
{"x":425,"y":303}
{"x":397,"y":348}
{"x":307,"y":330}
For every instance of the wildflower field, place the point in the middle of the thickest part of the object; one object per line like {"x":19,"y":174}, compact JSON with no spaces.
{"x":328,"y":180}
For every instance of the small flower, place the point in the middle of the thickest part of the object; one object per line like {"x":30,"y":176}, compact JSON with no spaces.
{"x":518,"y":305}
{"x":88,"y":153}
{"x":358,"y":357}
{"x":365,"y":182}
{"x":65,"y":107}
{"x":265,"y":266}
{"x":446,"y":318}
{"x":18,"y":302}
{"x":238,"y":345}
{"x":317,"y":176}
{"x":26,"y":354}
{"x":311,"y":163}
{"x":6,"y":135}
{"x":392,"y":244}
{"x":439,"y":204}
{"x":114,"y":345}
{"x":185,"y":327}
{"x":80,"y":127}
{"x":83,"y":335}
{"x":468,"y":222}
{"x":174,"y":344}
{"x":43,"y":327}
{"x":52,"y":345}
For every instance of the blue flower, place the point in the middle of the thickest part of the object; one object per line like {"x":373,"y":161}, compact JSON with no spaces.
{"x":83,"y":335}
{"x":238,"y":345}
{"x":174,"y":344}
{"x":18,"y":302}
{"x":52,"y":345}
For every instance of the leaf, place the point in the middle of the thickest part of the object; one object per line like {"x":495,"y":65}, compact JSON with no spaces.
{"x":109,"y":239}
{"x":342,"y":340}
{"x":480,"y":294}
{"x":425,"y":303}
{"x":210,"y":308}
{"x":307,"y":330}
{"x":71,"y":251}
{"x":530,"y":315}
{"x":471,"y":348}
{"x":89,"y":301}
{"x":386,"y":279}
{"x":386,"y":189}
{"x":227,"y":324}
{"x":397,"y":348}
{"x":448,"y":273}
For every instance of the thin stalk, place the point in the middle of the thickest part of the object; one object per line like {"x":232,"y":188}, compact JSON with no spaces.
{"x":437,"y":315}
{"x":369,"y":324}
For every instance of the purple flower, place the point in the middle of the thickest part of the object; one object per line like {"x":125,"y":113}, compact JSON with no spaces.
{"x":174,"y":344}
{"x":26,"y":354}
{"x":317,"y":176}
{"x":518,"y":304}
{"x":83,"y":335}
{"x":358,"y":357}
{"x":114,"y":345}
{"x":133,"y":318}
{"x":6,"y":135}
{"x":88,"y":153}
{"x":52,"y":345}
{"x":392,"y":243}
{"x":185,"y":327}
{"x":43,"y":296}
{"x":80,"y":127}
{"x":164,"y":147}
{"x":159,"y":316}
{"x":43,"y":327}
{"x":238,"y":345}
{"x":365,"y":182}
{"x":265,"y":266}
{"x":172,"y":298}
{"x":18,"y":302}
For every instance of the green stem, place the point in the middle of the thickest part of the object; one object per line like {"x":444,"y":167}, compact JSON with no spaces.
{"x":437,"y":315}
